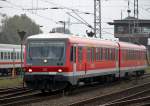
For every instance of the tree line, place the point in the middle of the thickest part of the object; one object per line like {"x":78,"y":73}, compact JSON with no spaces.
{"x":11,"y":26}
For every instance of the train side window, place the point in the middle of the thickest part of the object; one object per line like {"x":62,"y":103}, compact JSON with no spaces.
{"x":97,"y":54}
{"x":113,"y":54}
{"x":92,"y":54}
{"x":127,"y":54}
{"x":71,"y":54}
{"x":80,"y":54}
{"x":101,"y":53}
{"x":17,"y":55}
{"x":116,"y":52}
{"x":21,"y":55}
{"x":106,"y":53}
{"x":12,"y":55}
{"x":74,"y":52}
{"x":5,"y":55}
{"x":108,"y":58}
{"x":88,"y":54}
{"x":110,"y":54}
{"x":130,"y":54}
{"x":2,"y":55}
{"x":135,"y":53}
{"x":9,"y":55}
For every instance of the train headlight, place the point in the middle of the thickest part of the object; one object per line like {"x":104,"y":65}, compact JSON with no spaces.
{"x":30,"y":70}
{"x":59,"y":70}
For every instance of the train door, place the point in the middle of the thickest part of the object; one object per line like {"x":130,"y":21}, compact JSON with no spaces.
{"x":73,"y":62}
{"x":118,"y":61}
{"x":80,"y":60}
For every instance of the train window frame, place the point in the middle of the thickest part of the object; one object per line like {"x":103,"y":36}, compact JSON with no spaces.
{"x":101,"y":53}
{"x":109,"y":55}
{"x":97,"y":54}
{"x":18,"y":57}
{"x":117,"y":55}
{"x":93,"y":54}
{"x":113,"y":54}
{"x":5,"y":55}
{"x":2,"y":55}
{"x":80,"y":54}
{"x":88,"y":54}
{"x":71,"y":54}
{"x":74,"y":54}
{"x":12,"y":55}
{"x":106,"y":53}
{"x":9,"y":57}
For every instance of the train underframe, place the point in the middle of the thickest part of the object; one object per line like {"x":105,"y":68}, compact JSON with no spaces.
{"x":46,"y":82}
{"x":58,"y":82}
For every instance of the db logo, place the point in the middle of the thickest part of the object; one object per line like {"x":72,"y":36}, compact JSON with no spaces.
{"x":44,"y":69}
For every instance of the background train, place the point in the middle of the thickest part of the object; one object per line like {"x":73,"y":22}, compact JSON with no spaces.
{"x":10,"y":57}
{"x":54,"y":60}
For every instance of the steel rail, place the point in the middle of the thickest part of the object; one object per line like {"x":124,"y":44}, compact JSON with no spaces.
{"x":112,"y":96}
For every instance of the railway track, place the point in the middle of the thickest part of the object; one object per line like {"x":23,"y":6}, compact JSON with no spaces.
{"x":37,"y":96}
{"x":11,"y":90}
{"x":142,"y":101}
{"x":6,"y":95}
{"x":117,"y":97}
{"x":29,"y":96}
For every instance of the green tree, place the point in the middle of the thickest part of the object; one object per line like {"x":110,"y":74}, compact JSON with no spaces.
{"x":10,"y":27}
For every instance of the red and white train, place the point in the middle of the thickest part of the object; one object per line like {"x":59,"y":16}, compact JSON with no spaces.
{"x":10,"y":57}
{"x":55,"y":60}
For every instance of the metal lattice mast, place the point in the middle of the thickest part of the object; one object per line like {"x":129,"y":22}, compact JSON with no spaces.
{"x":97,"y":18}
{"x":136,"y":10}
{"x":136,"y":21}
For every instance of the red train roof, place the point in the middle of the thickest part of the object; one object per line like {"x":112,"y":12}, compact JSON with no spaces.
{"x":88,"y":41}
{"x":76,"y":39}
{"x":131,"y":46}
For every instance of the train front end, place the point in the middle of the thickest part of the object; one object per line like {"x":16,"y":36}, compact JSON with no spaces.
{"x":45,"y":63}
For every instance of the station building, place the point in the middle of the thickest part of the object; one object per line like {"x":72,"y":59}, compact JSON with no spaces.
{"x":132,"y":30}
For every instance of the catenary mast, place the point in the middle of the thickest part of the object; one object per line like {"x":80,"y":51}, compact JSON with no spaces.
{"x":97,"y":18}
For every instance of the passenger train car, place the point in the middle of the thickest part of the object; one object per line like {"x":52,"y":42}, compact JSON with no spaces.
{"x":54,"y":60}
{"x":10,"y":57}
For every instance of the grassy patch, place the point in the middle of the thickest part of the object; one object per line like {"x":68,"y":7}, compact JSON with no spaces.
{"x":13,"y":82}
{"x":148,"y":69}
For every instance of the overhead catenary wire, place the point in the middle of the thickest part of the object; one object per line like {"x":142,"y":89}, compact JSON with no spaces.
{"x":48,"y":17}
{"x":83,"y":20}
{"x":21,"y":8}
{"x":88,"y":25}
{"x":79,"y":20}
{"x":64,"y":7}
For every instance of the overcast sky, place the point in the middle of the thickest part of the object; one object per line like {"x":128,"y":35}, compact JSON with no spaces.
{"x":111,"y":10}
